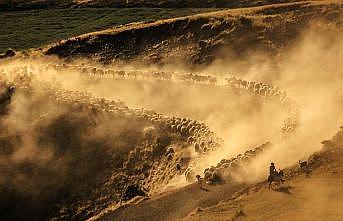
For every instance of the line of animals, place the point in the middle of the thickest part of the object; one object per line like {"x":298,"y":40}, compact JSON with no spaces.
{"x":195,"y":133}
{"x":228,"y":168}
{"x":269,"y":91}
{"x":211,"y":175}
{"x":256,"y":88}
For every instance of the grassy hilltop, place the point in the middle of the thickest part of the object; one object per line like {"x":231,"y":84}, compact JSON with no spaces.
{"x":30,"y":4}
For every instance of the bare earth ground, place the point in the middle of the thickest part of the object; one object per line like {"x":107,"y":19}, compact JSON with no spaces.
{"x":175,"y":204}
{"x":315,"y":197}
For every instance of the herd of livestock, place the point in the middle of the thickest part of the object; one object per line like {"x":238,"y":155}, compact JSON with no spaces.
{"x":256,"y":88}
{"x":193,"y":132}
{"x":227,"y":169}
{"x":269,"y":91}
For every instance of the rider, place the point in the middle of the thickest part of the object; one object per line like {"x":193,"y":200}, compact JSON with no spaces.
{"x":272,"y":169}
{"x":274,"y":172}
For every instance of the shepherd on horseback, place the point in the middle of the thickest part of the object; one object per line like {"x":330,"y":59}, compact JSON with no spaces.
{"x":272,"y":169}
{"x":274,"y":176}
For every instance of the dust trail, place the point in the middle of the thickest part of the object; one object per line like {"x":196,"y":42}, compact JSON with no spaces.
{"x":310,"y":71}
{"x":242,"y":120}
{"x":50,"y":143}
{"x":227,"y":112}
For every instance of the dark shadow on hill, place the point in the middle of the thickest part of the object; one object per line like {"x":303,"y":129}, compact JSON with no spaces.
{"x":201,"y":39}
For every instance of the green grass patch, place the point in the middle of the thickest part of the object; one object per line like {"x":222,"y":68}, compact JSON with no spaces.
{"x":22,"y":30}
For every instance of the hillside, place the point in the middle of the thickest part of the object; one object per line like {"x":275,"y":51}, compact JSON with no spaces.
{"x":179,"y":4}
{"x":124,"y":123}
{"x":202,"y":38}
{"x":41,"y":4}
{"x":41,"y":27}
{"x":317,"y":196}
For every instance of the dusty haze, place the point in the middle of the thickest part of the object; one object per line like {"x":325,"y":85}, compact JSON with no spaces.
{"x":310,"y":71}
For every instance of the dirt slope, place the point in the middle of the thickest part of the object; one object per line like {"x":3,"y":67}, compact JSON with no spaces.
{"x":316,"y":196}
{"x":174,"y":204}
{"x":66,"y":162}
{"x":205,"y":37}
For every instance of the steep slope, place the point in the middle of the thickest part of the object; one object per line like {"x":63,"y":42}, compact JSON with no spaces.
{"x":318,"y":196}
{"x":41,"y":27}
{"x":65,"y":154}
{"x":313,"y":195}
{"x":103,"y":172}
{"x":205,"y":37}
{"x":171,"y":205}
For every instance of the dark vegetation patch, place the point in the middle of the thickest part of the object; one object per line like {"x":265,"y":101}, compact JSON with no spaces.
{"x":200,"y":39}
{"x":22,"y":30}
{"x":43,"y":4}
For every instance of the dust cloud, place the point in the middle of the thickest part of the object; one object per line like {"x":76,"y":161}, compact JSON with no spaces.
{"x":53,"y":155}
{"x":310,"y":71}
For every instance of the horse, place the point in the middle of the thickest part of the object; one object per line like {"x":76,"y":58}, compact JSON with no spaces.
{"x":275,"y":178}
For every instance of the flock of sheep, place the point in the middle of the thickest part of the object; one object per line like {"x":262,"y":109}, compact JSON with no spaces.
{"x":109,"y":73}
{"x":269,"y":92}
{"x":227,"y":169}
{"x":193,"y":132}
{"x":255,"y":88}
